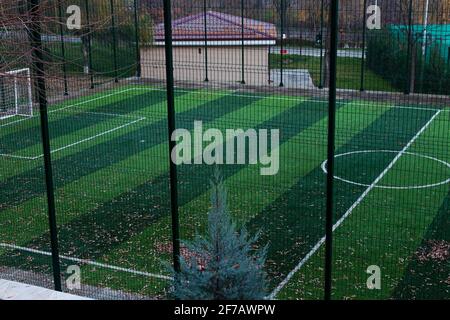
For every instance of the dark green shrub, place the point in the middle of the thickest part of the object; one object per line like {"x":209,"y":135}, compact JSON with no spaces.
{"x":387,"y":56}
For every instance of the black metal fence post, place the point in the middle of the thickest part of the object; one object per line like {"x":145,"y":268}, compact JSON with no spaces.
{"x":91,"y":75}
{"x":409,"y":49}
{"x":114,"y":38}
{"x":2,"y":87}
{"x":242,"y":43}
{"x":268,"y":65}
{"x":63,"y":47}
{"x":172,"y":126}
{"x":363,"y":49}
{"x":34,"y":33}
{"x":281,"y":42}
{"x":137,"y":39}
{"x":321,"y":43}
{"x":206,"y":39}
{"x":334,"y":22}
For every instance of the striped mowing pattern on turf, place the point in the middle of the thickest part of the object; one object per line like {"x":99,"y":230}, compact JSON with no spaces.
{"x":261,"y":109}
{"x":387,"y":226}
{"x":240,"y":194}
{"x":123,"y":220}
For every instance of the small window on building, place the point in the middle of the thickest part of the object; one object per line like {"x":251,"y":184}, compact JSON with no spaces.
{"x":199,"y":50}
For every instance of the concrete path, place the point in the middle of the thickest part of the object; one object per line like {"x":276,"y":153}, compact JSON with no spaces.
{"x":11,"y":290}
{"x":315,"y":52}
{"x":293,"y":78}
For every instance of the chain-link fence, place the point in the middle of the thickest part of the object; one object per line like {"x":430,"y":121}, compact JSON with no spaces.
{"x":329,"y":121}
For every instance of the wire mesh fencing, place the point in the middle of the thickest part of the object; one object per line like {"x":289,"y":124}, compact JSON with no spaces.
{"x":335,"y":150}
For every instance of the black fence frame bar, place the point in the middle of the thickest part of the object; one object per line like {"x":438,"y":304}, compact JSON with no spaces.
{"x":63,"y":47}
{"x":205,"y":27}
{"x":363,"y":46}
{"x":281,"y":42}
{"x":322,"y":8}
{"x":409,"y":49}
{"x":91,"y":74}
{"x":34,"y":33}
{"x":332,"y":35}
{"x":114,"y":37}
{"x":137,"y":39}
{"x":334,"y":23}
{"x":242,"y":44}
{"x":171,"y":127}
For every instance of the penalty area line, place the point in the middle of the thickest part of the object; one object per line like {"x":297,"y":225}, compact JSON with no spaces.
{"x":69,"y":106}
{"x":350,"y":210}
{"x":75,"y":143}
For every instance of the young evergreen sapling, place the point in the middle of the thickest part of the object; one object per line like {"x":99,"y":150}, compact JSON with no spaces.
{"x":226,"y":263}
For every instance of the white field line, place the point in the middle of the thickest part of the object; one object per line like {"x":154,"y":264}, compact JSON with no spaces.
{"x":70,"y":106}
{"x":7,"y":117}
{"x":350,"y":210}
{"x":87,"y":262}
{"x":299,"y":99}
{"x":75,"y":143}
{"x":87,"y":112}
{"x":231,"y":92}
{"x":12,"y":156}
{"x":96,"y":136}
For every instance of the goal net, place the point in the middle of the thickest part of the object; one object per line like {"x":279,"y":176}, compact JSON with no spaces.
{"x":16,"y":94}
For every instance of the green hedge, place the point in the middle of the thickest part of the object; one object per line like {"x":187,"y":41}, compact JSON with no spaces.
{"x":387,"y":55}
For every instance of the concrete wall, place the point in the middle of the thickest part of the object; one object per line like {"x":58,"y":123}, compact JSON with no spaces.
{"x":224,"y":64}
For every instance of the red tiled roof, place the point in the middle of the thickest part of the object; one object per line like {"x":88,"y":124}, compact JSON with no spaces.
{"x":220,"y":26}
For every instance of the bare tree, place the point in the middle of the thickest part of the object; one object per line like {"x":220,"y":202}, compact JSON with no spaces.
{"x":282,"y":7}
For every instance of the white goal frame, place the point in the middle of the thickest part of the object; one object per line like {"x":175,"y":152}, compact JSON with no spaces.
{"x":15,"y":74}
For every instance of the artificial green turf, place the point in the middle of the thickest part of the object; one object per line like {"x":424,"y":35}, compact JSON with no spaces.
{"x":193,"y":183}
{"x":118,"y":206}
{"x":128,"y":212}
{"x":103,"y":154}
{"x":248,"y":194}
{"x":104,"y":183}
{"x":125,"y":213}
{"x":68,"y":122}
{"x":427,"y":276}
{"x":395,"y":220}
{"x":383,"y":230}
{"x":284,"y":120}
{"x":193,"y":101}
{"x":306,"y":200}
{"x":12,"y":167}
{"x":153,"y":113}
{"x":107,"y":182}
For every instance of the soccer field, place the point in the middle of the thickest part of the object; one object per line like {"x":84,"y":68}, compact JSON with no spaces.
{"x":111,"y":177}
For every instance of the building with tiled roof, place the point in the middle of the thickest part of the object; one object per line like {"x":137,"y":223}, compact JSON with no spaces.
{"x":226,"y":40}
{"x":220,"y":28}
